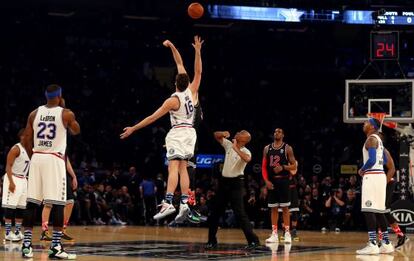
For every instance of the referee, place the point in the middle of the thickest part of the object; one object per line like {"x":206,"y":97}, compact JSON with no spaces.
{"x":231,"y":187}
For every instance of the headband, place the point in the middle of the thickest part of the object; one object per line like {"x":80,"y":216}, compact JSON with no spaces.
{"x":373,"y":123}
{"x":54,"y":94}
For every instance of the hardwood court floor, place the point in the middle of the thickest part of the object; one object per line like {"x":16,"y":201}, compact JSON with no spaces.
{"x":162,"y":243}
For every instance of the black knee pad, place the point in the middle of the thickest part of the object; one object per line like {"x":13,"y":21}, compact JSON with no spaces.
{"x":381,"y":221}
{"x":371,"y":221}
{"x":20,"y":213}
{"x":390,"y":218}
{"x":57,"y":215}
{"x":9,"y":213}
{"x":29,"y":214}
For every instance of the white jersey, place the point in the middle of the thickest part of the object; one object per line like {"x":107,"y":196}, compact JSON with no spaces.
{"x":21,"y":163}
{"x":379,"y":164}
{"x":49,"y":131}
{"x":184,"y":116}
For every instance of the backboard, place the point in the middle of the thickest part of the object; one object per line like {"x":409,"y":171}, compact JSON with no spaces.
{"x":393,"y":97}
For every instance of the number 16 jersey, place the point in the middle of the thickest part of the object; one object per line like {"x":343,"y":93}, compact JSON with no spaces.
{"x":183,"y":117}
{"x":49,"y":131}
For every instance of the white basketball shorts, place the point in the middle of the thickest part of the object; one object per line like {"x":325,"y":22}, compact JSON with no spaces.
{"x":373,"y":193}
{"x":18,"y":198}
{"x":47,"y":180}
{"x":180,"y":143}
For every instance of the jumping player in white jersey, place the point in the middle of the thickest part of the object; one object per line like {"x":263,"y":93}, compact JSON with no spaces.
{"x":374,"y":183}
{"x":46,"y":132}
{"x":181,"y":139}
{"x":15,"y":188}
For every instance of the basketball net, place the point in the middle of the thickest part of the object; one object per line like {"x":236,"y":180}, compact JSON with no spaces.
{"x":380,"y":116}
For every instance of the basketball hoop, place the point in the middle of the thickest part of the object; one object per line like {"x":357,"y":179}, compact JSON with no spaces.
{"x":380,"y":116}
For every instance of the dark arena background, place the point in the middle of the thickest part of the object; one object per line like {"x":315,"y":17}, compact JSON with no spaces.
{"x":313,"y":68}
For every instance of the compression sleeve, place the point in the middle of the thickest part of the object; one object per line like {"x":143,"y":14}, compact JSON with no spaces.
{"x":372,"y":158}
{"x":264,"y":169}
{"x":385,"y":158}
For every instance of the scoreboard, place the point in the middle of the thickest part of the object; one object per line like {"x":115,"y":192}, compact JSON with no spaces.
{"x":395,"y":17}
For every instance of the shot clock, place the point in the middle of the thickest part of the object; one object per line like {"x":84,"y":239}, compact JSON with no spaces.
{"x":384,"y":45}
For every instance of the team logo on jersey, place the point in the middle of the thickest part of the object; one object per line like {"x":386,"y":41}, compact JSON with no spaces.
{"x":368,"y":203}
{"x":171,"y":151}
{"x":281,"y":151}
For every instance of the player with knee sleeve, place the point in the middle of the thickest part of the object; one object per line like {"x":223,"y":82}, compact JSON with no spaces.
{"x":15,"y":189}
{"x":46,"y":133}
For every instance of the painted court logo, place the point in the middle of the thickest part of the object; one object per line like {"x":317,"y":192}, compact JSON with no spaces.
{"x":368,"y":203}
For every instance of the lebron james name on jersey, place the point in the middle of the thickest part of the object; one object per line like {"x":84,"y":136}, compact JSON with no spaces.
{"x":49,"y":131}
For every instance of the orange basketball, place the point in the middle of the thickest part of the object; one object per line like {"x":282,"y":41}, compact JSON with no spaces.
{"x":195,"y":10}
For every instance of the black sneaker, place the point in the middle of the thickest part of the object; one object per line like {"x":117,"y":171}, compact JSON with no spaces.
{"x":57,"y":252}
{"x":45,"y":236}
{"x":27,"y":251}
{"x":252,"y":246}
{"x":401,"y":240}
{"x":194,"y":217}
{"x":67,"y":237}
{"x":210,"y":245}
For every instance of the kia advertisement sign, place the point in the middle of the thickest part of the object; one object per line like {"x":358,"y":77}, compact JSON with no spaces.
{"x":206,"y":161}
{"x":404,"y":217}
{"x":403,"y":212}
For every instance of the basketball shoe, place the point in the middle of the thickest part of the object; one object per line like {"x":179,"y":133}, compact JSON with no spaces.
{"x":27,"y":251}
{"x":19,"y":235}
{"x":273,"y":238}
{"x":65,"y":236}
{"x":182,"y":214}
{"x":57,"y":252}
{"x":401,"y":240}
{"x":194,"y":216}
{"x":45,"y":236}
{"x":288,"y":238}
{"x":12,"y":237}
{"x":166,"y":209}
{"x":386,"y":248}
{"x":370,"y":249}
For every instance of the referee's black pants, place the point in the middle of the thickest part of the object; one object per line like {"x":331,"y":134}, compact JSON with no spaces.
{"x":230,"y":189}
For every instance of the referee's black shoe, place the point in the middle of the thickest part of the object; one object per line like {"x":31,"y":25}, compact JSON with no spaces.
{"x":210,"y":245}
{"x":252,"y":246}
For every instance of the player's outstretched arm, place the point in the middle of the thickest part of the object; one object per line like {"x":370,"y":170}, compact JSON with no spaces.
{"x":198,"y":66}
{"x":171,"y":103}
{"x":177,"y":57}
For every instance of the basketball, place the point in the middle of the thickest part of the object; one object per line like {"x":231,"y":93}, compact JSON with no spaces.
{"x":195,"y":10}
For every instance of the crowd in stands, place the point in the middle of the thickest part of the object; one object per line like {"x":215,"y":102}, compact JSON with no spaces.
{"x":115,"y":71}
